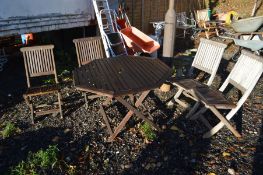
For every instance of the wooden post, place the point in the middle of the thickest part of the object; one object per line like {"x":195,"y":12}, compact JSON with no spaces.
{"x":142,"y":11}
{"x":169,"y":31}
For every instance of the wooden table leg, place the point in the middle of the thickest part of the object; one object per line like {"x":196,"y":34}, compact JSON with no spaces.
{"x":138,"y":113}
{"x":104,"y":116}
{"x":132,"y":110}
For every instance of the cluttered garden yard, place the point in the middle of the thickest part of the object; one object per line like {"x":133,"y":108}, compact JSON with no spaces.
{"x":117,"y":109}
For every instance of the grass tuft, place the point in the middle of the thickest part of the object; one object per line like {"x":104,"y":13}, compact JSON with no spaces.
{"x":148,"y":131}
{"x":41,"y":160}
{"x":9,"y":130}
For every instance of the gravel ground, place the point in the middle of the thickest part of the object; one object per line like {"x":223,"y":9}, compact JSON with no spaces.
{"x":81,"y":137}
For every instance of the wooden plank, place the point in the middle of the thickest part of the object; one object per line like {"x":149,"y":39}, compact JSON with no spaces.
{"x":47,"y":112}
{"x":133,"y":78}
{"x":157,"y":68}
{"x":154,"y":66}
{"x":100,"y":74}
{"x":88,"y":77}
{"x":138,"y":74}
{"x":109,"y":75}
{"x":128,"y":115}
{"x":145,"y":69}
{"x":213,"y":98}
{"x":105,"y":119}
{"x":112,"y":70}
{"x":121,"y":77}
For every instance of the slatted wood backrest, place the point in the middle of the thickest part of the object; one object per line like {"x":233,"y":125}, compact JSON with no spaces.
{"x":88,"y":49}
{"x":244,"y":76}
{"x":208,"y":57}
{"x":201,"y":17}
{"x":246,"y":72}
{"x":39,"y":61}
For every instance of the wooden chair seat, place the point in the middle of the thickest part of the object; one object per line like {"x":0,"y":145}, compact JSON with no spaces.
{"x":89,"y":49}
{"x":244,"y":76}
{"x":39,"y":61}
{"x":41,"y":90}
{"x":213,"y":98}
{"x":188,"y":84}
{"x":206,"y":60}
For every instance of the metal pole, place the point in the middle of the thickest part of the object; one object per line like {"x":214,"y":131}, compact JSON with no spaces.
{"x":169,"y":31}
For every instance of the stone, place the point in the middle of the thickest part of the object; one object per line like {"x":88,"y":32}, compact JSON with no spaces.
{"x":55,"y":139}
{"x":159,"y":164}
{"x":67,"y":131}
{"x":148,"y":166}
{"x":231,"y":171}
{"x":128,"y":166}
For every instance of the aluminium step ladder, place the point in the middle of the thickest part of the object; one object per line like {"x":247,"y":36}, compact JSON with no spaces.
{"x":107,"y":22}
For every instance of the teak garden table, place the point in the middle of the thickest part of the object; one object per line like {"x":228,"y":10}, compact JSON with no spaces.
{"x":119,"y":77}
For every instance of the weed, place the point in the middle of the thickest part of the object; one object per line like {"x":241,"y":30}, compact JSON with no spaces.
{"x":9,"y":130}
{"x":148,"y":131}
{"x":43,"y":159}
{"x":49,"y":81}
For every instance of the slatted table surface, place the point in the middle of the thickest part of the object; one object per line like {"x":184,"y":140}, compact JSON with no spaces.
{"x":121,"y":75}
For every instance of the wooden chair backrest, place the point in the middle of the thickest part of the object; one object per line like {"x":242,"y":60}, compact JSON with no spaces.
{"x":39,"y":61}
{"x":244,"y":76}
{"x":201,"y":17}
{"x":246,"y":71}
{"x":88,"y":49}
{"x":208,"y":57}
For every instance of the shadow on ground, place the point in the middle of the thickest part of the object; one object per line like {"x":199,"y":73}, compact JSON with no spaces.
{"x":16,"y":148}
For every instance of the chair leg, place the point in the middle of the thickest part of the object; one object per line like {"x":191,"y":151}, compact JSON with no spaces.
{"x":28,"y":102}
{"x":220,"y":125}
{"x":32,"y":113}
{"x":176,"y":96}
{"x":105,"y":119}
{"x":198,"y":113}
{"x":131,"y":97}
{"x":59,"y":104}
{"x":205,"y":122}
{"x":193,"y":110}
{"x":207,"y":34}
{"x":86,"y":100}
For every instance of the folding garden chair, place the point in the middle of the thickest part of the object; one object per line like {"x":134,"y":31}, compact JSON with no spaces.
{"x":207,"y":59}
{"x":203,"y":21}
{"x":89,"y":49}
{"x":184,"y":23}
{"x":39,"y":61}
{"x":244,"y":77}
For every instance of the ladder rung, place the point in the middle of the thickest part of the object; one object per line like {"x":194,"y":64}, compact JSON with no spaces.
{"x":122,"y":54}
{"x":116,"y":44}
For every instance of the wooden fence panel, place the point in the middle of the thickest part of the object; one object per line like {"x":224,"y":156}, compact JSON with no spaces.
{"x":142,"y":12}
